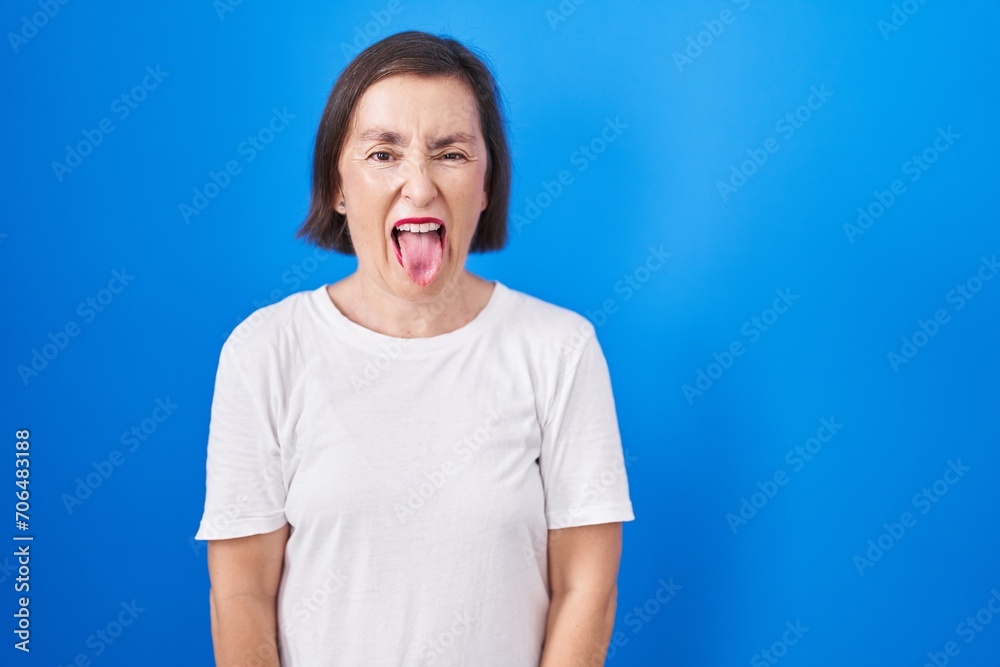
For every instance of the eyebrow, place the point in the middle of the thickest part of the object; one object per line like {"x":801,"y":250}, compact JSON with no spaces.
{"x":454,"y":138}
{"x":390,"y":137}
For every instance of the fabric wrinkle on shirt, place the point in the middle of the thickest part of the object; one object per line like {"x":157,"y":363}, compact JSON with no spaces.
{"x":419,"y":476}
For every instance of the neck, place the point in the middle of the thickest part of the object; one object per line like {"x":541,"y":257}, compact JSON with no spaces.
{"x":369,"y":303}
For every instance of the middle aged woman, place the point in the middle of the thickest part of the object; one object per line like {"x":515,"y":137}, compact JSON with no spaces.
{"x":413,"y":465}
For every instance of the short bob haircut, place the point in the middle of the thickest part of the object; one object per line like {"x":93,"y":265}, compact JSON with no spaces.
{"x":422,"y":54}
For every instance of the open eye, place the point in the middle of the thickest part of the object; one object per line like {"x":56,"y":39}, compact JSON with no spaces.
{"x":453,"y":157}
{"x":381,"y":156}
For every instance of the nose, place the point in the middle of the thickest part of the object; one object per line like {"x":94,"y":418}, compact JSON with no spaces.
{"x":419,"y":188}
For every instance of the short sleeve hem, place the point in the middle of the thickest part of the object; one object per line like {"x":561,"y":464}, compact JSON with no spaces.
{"x":242,"y":528}
{"x":590,"y":516}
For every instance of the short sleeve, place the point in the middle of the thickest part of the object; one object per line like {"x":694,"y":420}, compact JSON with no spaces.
{"x":244,"y":484}
{"x":582,"y":464}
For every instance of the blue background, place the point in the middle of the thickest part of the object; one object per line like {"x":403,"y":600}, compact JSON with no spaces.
{"x":683,"y":126}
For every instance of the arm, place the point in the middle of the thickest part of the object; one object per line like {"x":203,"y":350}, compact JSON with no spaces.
{"x":245,"y":573}
{"x":583,"y":574}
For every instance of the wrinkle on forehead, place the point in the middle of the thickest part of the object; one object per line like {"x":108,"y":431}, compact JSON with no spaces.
{"x":384,"y":136}
{"x":381,"y":130}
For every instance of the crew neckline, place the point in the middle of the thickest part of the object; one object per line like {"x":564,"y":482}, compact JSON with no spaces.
{"x":370,"y":338}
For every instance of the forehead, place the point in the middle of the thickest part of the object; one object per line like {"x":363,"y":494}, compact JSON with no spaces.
{"x":407,"y":103}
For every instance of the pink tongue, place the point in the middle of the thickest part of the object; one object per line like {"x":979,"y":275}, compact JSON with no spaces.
{"x":421,"y":255}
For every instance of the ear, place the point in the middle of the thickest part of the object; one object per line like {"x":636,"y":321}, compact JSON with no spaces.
{"x":486,"y":200}
{"x":338,"y":198}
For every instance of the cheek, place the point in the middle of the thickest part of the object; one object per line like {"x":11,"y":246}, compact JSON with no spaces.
{"x":470,"y":191}
{"x":375,"y":184}
{"x":364,"y":183}
{"x":371,"y":195}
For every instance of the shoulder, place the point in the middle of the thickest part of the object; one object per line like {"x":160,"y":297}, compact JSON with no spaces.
{"x":545,"y":323}
{"x":271,"y":328}
{"x":531,"y":310}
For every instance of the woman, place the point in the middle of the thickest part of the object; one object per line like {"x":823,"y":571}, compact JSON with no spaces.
{"x":413,"y":465}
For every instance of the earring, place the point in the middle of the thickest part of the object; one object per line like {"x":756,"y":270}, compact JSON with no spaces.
{"x":340,"y":206}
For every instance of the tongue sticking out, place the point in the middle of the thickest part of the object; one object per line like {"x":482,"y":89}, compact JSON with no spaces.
{"x":420,"y":255}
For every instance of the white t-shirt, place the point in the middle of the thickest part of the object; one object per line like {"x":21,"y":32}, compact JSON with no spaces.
{"x":419,"y":476}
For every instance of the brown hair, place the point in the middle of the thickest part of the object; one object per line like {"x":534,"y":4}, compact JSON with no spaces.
{"x":423,"y":54}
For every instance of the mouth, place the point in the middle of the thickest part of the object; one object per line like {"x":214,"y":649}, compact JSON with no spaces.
{"x":416,"y":225}
{"x":419,"y":246}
